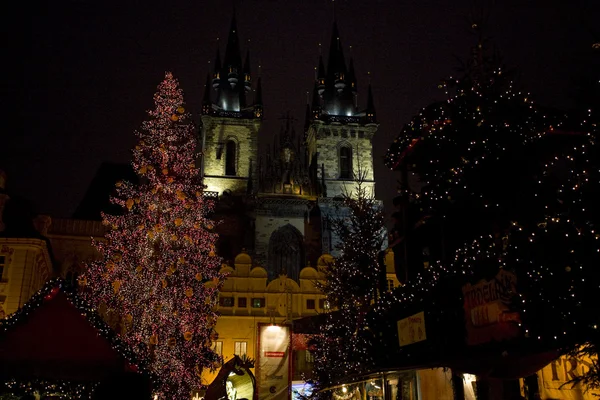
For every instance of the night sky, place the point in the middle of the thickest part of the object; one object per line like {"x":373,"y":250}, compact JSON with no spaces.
{"x":85,"y":71}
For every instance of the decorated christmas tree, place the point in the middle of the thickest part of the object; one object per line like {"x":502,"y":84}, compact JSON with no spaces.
{"x":351,"y":285}
{"x":159,"y":270}
{"x":517,"y":186}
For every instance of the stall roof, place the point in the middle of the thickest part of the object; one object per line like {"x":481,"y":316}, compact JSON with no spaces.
{"x":57,"y":336}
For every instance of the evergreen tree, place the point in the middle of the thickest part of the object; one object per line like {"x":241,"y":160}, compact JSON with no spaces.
{"x":517,"y":186}
{"x":343,"y":346}
{"x":159,"y":270}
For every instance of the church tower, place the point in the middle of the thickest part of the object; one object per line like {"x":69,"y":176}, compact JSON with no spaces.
{"x":230,"y":126}
{"x":338,"y":134}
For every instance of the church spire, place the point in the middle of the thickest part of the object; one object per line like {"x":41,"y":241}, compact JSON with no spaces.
{"x":233,"y":58}
{"x":370,"y":112}
{"x":258,"y":105}
{"x":217,"y":72}
{"x":336,"y":65}
{"x":206,"y":103}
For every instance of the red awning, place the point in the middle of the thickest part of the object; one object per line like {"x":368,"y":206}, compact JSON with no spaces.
{"x":56,"y":341}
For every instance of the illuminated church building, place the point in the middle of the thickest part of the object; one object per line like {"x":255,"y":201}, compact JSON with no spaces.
{"x":289,"y":195}
{"x":276,"y":209}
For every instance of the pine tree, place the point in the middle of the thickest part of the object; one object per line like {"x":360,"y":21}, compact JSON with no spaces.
{"x":351,"y":282}
{"x":159,"y":270}
{"x":517,"y":186}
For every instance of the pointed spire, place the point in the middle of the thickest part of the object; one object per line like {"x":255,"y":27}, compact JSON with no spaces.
{"x":233,"y":58}
{"x":247,"y":76}
{"x":258,"y":106}
{"x":316,"y":101}
{"x":217,"y":72}
{"x":336,"y":63}
{"x":206,"y":103}
{"x":352,"y":76}
{"x":321,"y":76}
{"x":371,"y":114}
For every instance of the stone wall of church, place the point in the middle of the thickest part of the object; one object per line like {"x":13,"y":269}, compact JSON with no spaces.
{"x":217,"y":131}
{"x":326,"y":140}
{"x":272,"y":214}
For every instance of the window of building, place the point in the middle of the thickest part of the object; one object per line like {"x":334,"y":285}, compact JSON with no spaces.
{"x":242,"y":302}
{"x":390,"y":285}
{"x":345,"y":162}
{"x":258,"y":302}
{"x":323,"y":304}
{"x":230,"y":155}
{"x":239,"y":348}
{"x":3,"y":267}
{"x":309,"y":357}
{"x":226,"y":301}
{"x":218,"y":347}
{"x":310,"y":304}
{"x":286,"y":252}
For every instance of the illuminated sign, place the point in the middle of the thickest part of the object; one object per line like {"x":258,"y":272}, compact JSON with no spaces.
{"x":273,"y":375}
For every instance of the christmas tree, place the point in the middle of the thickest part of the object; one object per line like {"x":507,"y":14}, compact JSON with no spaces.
{"x":517,"y":186}
{"x":159,"y":270}
{"x":351,"y":285}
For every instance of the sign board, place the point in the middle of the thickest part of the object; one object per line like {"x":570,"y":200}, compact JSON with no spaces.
{"x":273,"y":375}
{"x":487,"y":309}
{"x":554,"y":378}
{"x":412,"y":329}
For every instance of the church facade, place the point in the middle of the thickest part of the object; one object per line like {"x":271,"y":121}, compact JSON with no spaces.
{"x":278,"y":207}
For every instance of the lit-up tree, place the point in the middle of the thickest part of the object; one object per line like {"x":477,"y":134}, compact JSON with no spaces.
{"x":159,"y":269}
{"x":344,"y":346}
{"x":518,"y":187}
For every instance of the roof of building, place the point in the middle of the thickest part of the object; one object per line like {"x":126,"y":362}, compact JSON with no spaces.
{"x":57,"y":336}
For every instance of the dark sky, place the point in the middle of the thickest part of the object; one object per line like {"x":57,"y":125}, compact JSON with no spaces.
{"x":85,"y":71}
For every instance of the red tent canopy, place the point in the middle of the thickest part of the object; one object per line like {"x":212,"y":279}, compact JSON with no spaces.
{"x":52,"y":338}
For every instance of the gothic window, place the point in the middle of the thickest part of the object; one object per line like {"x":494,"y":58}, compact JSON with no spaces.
{"x":286,"y":252}
{"x":345,"y":162}
{"x":230,"y":155}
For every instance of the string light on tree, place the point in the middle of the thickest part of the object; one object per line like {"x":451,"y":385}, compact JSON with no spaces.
{"x":159,"y":269}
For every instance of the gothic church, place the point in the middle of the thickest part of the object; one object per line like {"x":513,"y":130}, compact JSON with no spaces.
{"x":278,"y":207}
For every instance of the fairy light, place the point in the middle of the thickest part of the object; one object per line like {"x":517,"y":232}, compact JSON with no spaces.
{"x":159,"y":269}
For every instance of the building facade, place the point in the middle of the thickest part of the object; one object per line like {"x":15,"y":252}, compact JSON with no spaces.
{"x":278,"y":207}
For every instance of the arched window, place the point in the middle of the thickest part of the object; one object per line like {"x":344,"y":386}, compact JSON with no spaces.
{"x":345,"y":162}
{"x":286,"y":252}
{"x":230,"y":158}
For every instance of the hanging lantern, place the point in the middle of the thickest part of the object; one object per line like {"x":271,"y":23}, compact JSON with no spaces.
{"x":143,"y":170}
{"x":198,"y":276}
{"x":180,"y":110}
{"x":189,"y":292}
{"x":164,"y":283}
{"x":116,"y":286}
{"x":178,"y":221}
{"x":165,"y":171}
{"x":174,"y":117}
{"x":129,"y":203}
{"x":153,"y":340}
{"x":138,"y":269}
{"x":187,"y":336}
{"x":171,"y":342}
